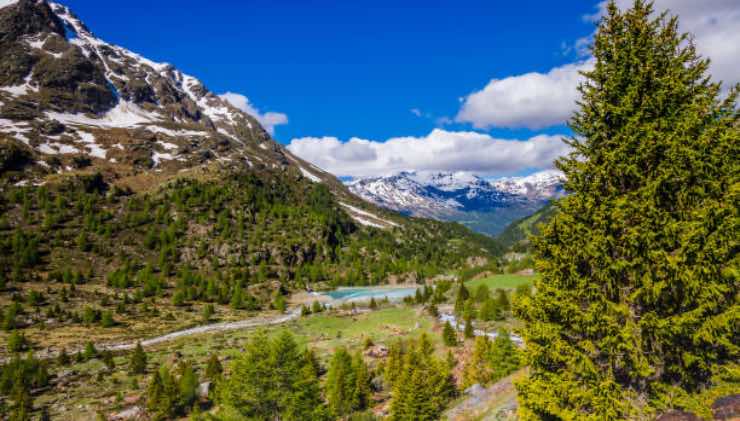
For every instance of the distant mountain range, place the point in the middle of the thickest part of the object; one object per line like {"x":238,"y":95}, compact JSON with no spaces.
{"x":483,"y":205}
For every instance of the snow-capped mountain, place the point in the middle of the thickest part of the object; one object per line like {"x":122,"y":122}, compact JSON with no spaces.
{"x":541,"y":185}
{"x":487,"y":206}
{"x":71,"y":101}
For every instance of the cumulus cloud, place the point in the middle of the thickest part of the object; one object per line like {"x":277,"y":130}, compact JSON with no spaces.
{"x":268,"y":120}
{"x":440,"y":150}
{"x":533,"y":100}
{"x":536,"y":100}
{"x":715,"y":25}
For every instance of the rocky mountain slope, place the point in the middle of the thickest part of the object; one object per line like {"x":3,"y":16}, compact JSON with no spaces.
{"x":486,"y":206}
{"x":71,"y":103}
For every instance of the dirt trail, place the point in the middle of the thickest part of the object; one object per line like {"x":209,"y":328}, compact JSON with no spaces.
{"x":216,"y":327}
{"x":252,"y":322}
{"x":495,"y":402}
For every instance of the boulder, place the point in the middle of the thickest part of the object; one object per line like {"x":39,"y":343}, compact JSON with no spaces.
{"x":130,"y":413}
{"x":727,"y":407}
{"x":203,"y":390}
{"x":676,"y":415}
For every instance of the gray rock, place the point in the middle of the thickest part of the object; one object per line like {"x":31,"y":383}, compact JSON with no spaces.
{"x":727,"y":407}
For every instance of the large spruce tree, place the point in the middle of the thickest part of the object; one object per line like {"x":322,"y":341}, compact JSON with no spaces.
{"x":637,"y":305}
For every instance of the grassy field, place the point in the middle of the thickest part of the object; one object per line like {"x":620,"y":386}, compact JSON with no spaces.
{"x":505,"y":281}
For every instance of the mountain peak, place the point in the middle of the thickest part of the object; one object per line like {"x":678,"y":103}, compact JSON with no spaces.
{"x":26,"y":17}
{"x":461,"y":196}
{"x":69,"y":100}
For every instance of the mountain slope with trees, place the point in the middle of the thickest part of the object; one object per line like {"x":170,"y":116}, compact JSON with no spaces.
{"x":130,"y":193}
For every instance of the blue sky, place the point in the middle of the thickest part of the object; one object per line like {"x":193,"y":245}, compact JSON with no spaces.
{"x":345,"y":68}
{"x":357,"y":69}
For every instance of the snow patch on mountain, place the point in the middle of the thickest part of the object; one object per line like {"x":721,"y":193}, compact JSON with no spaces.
{"x":123,"y":115}
{"x":357,"y":211}
{"x":309,"y":175}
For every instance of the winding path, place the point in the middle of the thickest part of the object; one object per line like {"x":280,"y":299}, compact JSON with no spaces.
{"x":216,"y":327}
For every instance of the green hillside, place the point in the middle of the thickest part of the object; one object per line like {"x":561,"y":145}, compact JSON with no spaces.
{"x":516,"y":235}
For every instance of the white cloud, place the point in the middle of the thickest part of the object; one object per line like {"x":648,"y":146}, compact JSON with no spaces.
{"x":536,"y":100}
{"x":268,"y":120}
{"x":533,"y":100}
{"x":440,"y":150}
{"x":716,"y":28}
{"x":416,"y":112}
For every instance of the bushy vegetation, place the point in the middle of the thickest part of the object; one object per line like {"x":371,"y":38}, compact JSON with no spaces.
{"x":18,"y":378}
{"x":636,"y":309}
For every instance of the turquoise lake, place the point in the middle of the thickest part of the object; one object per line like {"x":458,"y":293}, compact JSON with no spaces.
{"x":365,"y":293}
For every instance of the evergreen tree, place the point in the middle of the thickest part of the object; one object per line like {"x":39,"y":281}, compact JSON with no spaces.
{"x":468,"y":331}
{"x":237,"y":302}
{"x":347,"y":384}
{"x":138,"y":360}
{"x":636,"y":306}
{"x":154,"y":392}
{"x":187,"y":386}
{"x":461,"y":298}
{"x":341,"y":384}
{"x":90,"y":352}
{"x":502,"y":300}
{"x":504,"y":357}
{"x":316,"y":307}
{"x":394,"y":362}
{"x":490,"y":310}
{"x":478,"y":367}
{"x":208,"y":311}
{"x":361,"y":393}
{"x":271,"y":378}
{"x":106,"y":320}
{"x":214,"y":369}
{"x":482,"y":293}
{"x":17,"y":342}
{"x":108,"y":360}
{"x":449,"y":336}
{"x":423,"y":386}
{"x":433,"y":310}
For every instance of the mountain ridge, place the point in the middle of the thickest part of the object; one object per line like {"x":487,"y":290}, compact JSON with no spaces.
{"x":486,"y":206}
{"x":71,"y":103}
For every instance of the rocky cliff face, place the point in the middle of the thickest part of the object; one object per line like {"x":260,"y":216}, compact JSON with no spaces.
{"x":71,"y":102}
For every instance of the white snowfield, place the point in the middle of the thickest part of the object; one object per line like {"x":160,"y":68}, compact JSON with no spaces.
{"x":309,"y":175}
{"x":361,"y":216}
{"x":124,"y":115}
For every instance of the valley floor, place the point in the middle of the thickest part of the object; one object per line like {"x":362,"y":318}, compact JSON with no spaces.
{"x":83,"y":389}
